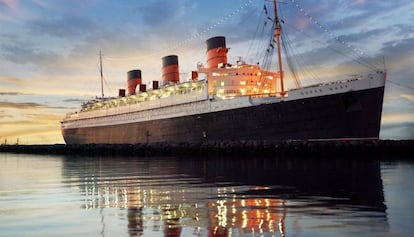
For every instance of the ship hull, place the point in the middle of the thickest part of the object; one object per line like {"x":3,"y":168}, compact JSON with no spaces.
{"x":351,"y":115}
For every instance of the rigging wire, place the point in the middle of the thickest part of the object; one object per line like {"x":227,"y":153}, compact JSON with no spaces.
{"x":99,"y":68}
{"x":269,"y":53}
{"x":266,"y":56}
{"x":298,"y":61}
{"x":257,"y":29}
{"x":287,"y":48}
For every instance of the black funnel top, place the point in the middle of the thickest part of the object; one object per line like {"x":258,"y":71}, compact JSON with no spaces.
{"x":169,"y":60}
{"x":134,"y":74}
{"x":216,"y":42}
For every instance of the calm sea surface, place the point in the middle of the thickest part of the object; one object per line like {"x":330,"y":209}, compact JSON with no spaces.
{"x":167,"y":196}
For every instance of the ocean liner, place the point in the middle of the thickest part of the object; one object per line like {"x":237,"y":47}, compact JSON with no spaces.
{"x":232,"y":102}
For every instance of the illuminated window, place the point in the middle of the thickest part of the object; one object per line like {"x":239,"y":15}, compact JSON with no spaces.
{"x":243,"y":83}
{"x":218,"y":74}
{"x":218,"y":83}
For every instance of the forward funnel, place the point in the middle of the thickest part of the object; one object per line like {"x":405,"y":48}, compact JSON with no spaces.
{"x":216,"y":51}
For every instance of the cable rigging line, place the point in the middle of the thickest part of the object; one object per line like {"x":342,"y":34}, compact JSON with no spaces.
{"x":255,"y":33}
{"x":287,"y":48}
{"x":102,"y":77}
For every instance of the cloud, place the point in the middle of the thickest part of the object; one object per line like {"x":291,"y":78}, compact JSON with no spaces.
{"x":44,"y":117}
{"x":24,"y":52}
{"x":151,"y":13}
{"x":32,"y":124}
{"x":398,"y":47}
{"x":66,"y":26}
{"x":10,"y":93}
{"x":397,"y":117}
{"x":31,"y":132}
{"x":43,"y":4}
{"x":408,"y":97}
{"x":8,"y":4}
{"x":7,"y":9}
{"x":74,"y":100}
{"x":397,"y":131}
{"x":19,"y":123}
{"x":161,"y":12}
{"x":3,"y":115}
{"x":357,"y":2}
{"x":399,"y":63}
{"x":24,"y":105}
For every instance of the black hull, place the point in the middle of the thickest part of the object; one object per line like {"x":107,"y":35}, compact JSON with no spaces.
{"x":351,"y":115}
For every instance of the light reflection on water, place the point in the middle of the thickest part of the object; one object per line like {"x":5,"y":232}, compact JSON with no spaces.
{"x":121,"y":196}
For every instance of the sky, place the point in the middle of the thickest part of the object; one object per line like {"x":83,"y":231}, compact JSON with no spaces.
{"x":49,"y":50}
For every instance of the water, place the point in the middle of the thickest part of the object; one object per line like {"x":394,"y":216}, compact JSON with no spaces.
{"x":120,"y":196}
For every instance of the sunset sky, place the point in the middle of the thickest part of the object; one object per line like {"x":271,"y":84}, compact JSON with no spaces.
{"x":49,"y":61}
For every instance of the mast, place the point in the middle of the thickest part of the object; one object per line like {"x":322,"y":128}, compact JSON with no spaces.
{"x":100,"y":69}
{"x":278,"y":30}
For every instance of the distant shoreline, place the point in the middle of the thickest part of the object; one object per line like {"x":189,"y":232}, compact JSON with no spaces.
{"x":326,"y":149}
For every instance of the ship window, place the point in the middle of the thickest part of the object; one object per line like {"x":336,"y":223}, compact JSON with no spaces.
{"x":218,"y":74}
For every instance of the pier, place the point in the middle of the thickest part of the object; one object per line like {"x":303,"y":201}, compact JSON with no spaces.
{"x":299,"y":149}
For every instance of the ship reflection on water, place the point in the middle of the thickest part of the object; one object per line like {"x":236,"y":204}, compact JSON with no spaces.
{"x":232,"y":197}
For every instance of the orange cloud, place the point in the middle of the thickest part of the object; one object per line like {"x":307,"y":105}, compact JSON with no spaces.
{"x":301,"y":23}
{"x":29,"y":123}
{"x":407,"y":96}
{"x":40,"y":128}
{"x":12,"y":4}
{"x":5,"y":6}
{"x":397,"y":118}
{"x":27,"y":105}
{"x":13,"y":80}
